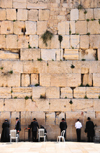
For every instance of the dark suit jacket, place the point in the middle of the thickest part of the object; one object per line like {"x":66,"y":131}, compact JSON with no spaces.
{"x":63,"y":126}
{"x":90,"y":128}
{"x":34,"y":125}
{"x":18,"y":126}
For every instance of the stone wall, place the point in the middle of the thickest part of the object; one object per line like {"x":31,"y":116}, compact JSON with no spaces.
{"x":51,"y":80}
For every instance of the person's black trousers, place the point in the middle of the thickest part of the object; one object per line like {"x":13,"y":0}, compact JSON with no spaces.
{"x":34,"y":135}
{"x":78,"y":132}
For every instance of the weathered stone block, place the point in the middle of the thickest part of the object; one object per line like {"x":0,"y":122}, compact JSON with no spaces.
{"x":59,"y":116}
{"x":97,"y":13}
{"x":66,"y":92}
{"x":93,"y":27}
{"x":8,"y":55}
{"x":2,"y":14}
{"x":5,"y":92}
{"x":41,"y":27}
{"x":18,"y":26}
{"x":41,"y":105}
{"x":45,"y":79}
{"x":40,"y":116}
{"x":96,"y":79}
{"x":63,"y":27}
{"x":79,"y":92}
{"x":88,"y":54}
{"x":87,"y":79}
{"x":34,"y":79}
{"x":87,"y":4}
{"x":81,"y":27}
{"x":48,"y":54}
{"x":13,"y":118}
{"x":2,"y":41}
{"x":23,"y":41}
{"x":71,"y":54}
{"x":6,"y":27}
{"x":50,"y":118}
{"x":74,"y":14}
{"x":73,"y":80}
{"x":38,"y":91}
{"x":25,"y":80}
{"x":84,"y":70}
{"x":6,"y":3}
{"x":4,"y":115}
{"x":92,"y":92}
{"x":65,"y":42}
{"x":34,"y":41}
{"x":44,"y":14}
{"x":77,"y":68}
{"x":11,"y":41}
{"x":30,"y":27}
{"x":94,"y":41}
{"x":84,"y":41}
{"x":72,"y":27}
{"x":37,"y":5}
{"x":96,"y":104}
{"x":33,"y":15}
{"x":89,"y":14}
{"x":81,"y":14}
{"x":30,"y":54}
{"x":19,"y":3}
{"x":11,"y":14}
{"x":74,"y":41}
{"x":17,"y":66}
{"x":52,"y":92}
{"x":90,"y":114}
{"x":30,"y":105}
{"x":22,"y":14}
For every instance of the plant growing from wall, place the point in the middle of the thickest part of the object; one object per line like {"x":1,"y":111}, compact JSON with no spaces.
{"x":39,"y":59}
{"x":29,"y":46}
{"x":83,"y":59}
{"x":26,"y":97}
{"x":87,"y":85}
{"x":43,"y":96}
{"x":88,"y":33}
{"x":15,"y":97}
{"x":46,"y":36}
{"x":36,"y":84}
{"x":11,"y":72}
{"x":99,"y":97}
{"x":85,"y":97}
{"x":85,"y":12}
{"x":65,"y":97}
{"x":72,"y":66}
{"x":99,"y":21}
{"x":1,"y":68}
{"x":87,"y":20}
{"x":80,"y":6}
{"x":71,"y":102}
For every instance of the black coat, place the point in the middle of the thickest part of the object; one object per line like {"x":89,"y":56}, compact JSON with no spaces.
{"x":18,"y":126}
{"x":5,"y":132}
{"x":63,"y":125}
{"x":34,"y":125}
{"x":90,"y":128}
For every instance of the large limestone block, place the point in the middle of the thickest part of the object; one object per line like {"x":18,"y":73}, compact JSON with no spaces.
{"x":87,"y":3}
{"x":7,"y":27}
{"x":25,"y":80}
{"x":95,"y":67}
{"x":11,"y":14}
{"x":62,"y":105}
{"x":74,"y":41}
{"x":5,"y":92}
{"x":41,"y":27}
{"x":59,"y":116}
{"x":72,"y":27}
{"x":73,"y":80}
{"x":57,"y":67}
{"x":14,"y":105}
{"x":99,"y":54}
{"x":89,"y":14}
{"x":30,"y":27}
{"x":35,"y":67}
{"x":9,"y":80}
{"x":97,"y":13}
{"x":23,"y":41}
{"x":18,"y":25}
{"x":50,"y":118}
{"x":79,"y":92}
{"x":86,"y":65}
{"x":96,"y":104}
{"x":2,"y":14}
{"x":89,"y":54}
{"x":17,"y":66}
{"x":26,"y":119}
{"x":34,"y":79}
{"x":3,"y":116}
{"x":52,"y":92}
{"x":77,"y":68}
{"x":33,"y":15}
{"x":71,"y":54}
{"x":63,"y":28}
{"x":93,"y":27}
{"x":84,"y":41}
{"x":94,"y":41}
{"x":40,"y":116}
{"x":90,"y":114}
{"x":65,"y":42}
{"x":11,"y":41}
{"x":81,"y":14}
{"x":66,"y":92}
{"x":2,"y":41}
{"x":38,"y":91}
{"x":22,"y":14}
{"x":74,"y":14}
{"x":44,"y":14}
{"x":37,"y":4}
{"x":13,"y":118}
{"x":96,"y":79}
{"x":81,"y":27}
{"x":34,"y":41}
{"x":30,"y":105}
{"x":19,"y":3}
{"x":45,"y":79}
{"x":21,"y":92}
{"x":92,"y":92}
{"x":84,"y":70}
{"x":48,"y":54}
{"x":82,"y":104}
{"x":41,"y":105}
{"x":87,"y":79}
{"x":30,"y":54}
{"x":6,"y":3}
{"x":59,"y":54}
{"x":8,"y":55}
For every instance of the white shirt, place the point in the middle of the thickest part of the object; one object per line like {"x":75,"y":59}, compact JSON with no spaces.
{"x":78,"y":125}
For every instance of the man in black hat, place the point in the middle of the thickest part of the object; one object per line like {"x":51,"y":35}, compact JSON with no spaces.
{"x":18,"y":125}
{"x":63,"y":126}
{"x":34,"y":126}
{"x":90,"y":129}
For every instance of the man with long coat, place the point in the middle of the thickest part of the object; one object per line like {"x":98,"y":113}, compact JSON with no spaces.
{"x":63,"y":126}
{"x":5,"y":132}
{"x":18,"y":125}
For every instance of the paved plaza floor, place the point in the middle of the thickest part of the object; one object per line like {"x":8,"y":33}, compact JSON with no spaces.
{"x":49,"y":147}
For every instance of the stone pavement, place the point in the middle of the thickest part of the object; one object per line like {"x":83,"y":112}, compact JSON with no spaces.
{"x":49,"y":147}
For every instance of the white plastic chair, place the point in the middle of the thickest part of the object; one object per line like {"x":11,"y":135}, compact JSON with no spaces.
{"x":61,"y":137}
{"x":13,"y":135}
{"x":41,"y":134}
